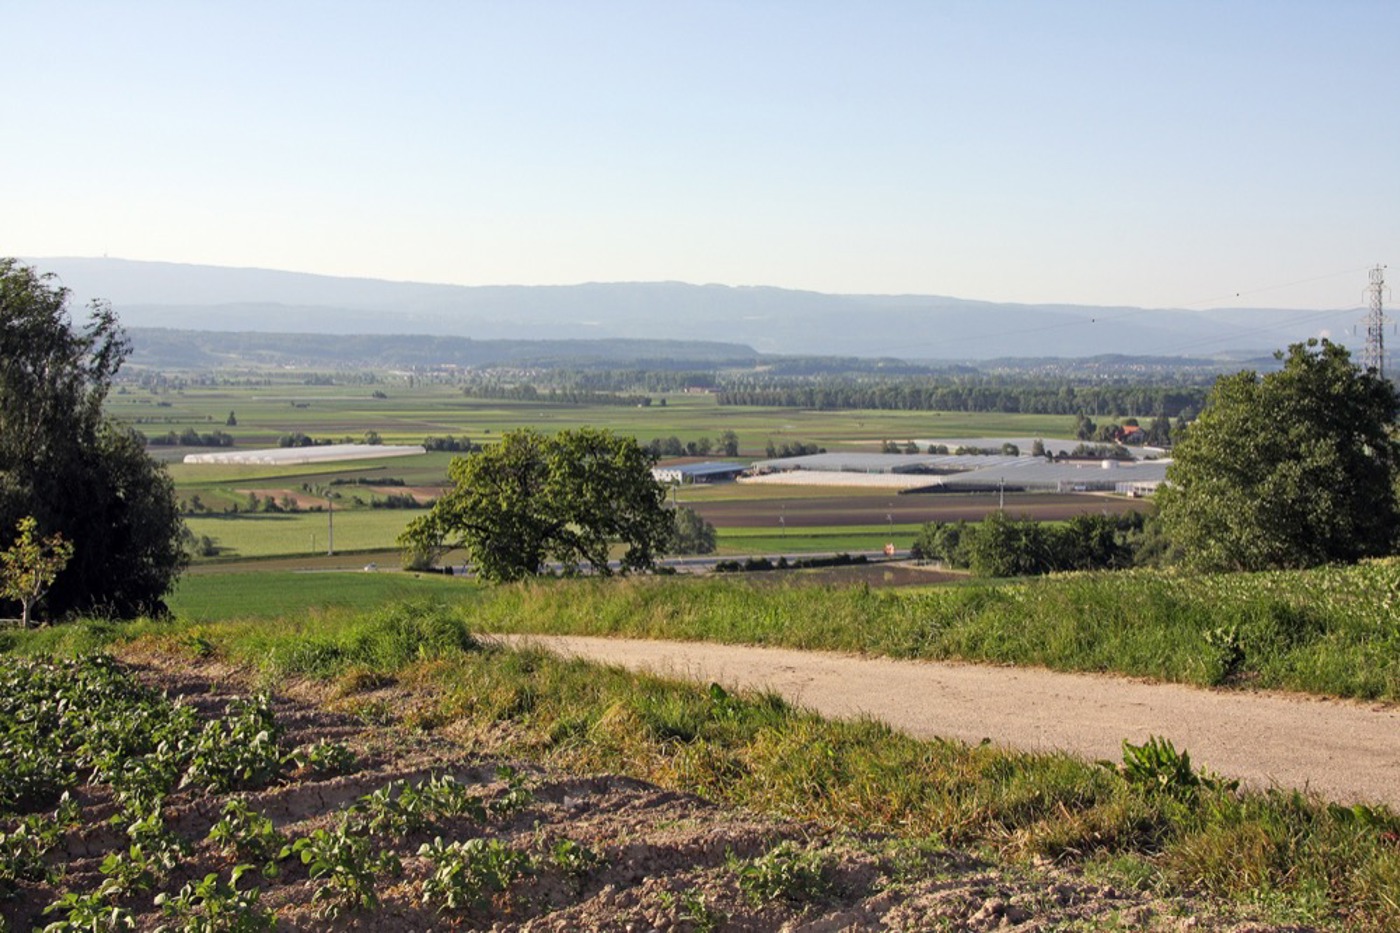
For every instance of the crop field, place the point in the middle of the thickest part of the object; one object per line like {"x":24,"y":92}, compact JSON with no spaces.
{"x":909,"y":510}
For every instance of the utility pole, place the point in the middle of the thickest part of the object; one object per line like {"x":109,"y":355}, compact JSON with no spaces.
{"x":1373,"y":357}
{"x":330,"y":527}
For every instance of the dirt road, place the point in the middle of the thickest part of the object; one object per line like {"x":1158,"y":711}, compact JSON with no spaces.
{"x":1346,"y":751}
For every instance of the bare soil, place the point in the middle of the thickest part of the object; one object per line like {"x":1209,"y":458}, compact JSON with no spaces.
{"x":667,"y":859}
{"x":909,"y":509}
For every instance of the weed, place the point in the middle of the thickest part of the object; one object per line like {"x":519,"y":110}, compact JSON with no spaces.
{"x":1228,"y":650}
{"x":1158,"y":767}
{"x":693,"y":908}
{"x":784,"y":872}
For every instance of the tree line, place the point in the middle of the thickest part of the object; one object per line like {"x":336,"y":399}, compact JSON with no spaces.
{"x":980,"y":394}
{"x":527,"y":392}
{"x":1003,"y":546}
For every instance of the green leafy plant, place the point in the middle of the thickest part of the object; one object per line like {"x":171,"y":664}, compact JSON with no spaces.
{"x":322,"y":758}
{"x":574,"y":859}
{"x":247,"y":834}
{"x":347,"y":864}
{"x":466,"y":874}
{"x":211,"y":905}
{"x":694,"y":909}
{"x":785,"y":872}
{"x":1158,"y":767}
{"x":88,"y":913}
{"x":517,"y":795}
{"x":23,"y":848}
{"x":239,"y":750}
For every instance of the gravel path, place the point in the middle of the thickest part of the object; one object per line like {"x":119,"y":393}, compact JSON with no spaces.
{"x":1346,"y":751}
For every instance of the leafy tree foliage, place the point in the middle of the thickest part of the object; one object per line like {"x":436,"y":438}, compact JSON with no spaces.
{"x":691,"y":533}
{"x":1002,"y":546}
{"x":532,"y":499}
{"x":78,"y":473}
{"x":1292,"y":469}
{"x":29,"y":567}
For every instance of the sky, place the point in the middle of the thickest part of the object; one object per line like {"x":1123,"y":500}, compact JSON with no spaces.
{"x":1123,"y":152}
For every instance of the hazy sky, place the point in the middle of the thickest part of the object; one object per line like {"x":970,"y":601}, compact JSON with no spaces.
{"x":1118,"y":152}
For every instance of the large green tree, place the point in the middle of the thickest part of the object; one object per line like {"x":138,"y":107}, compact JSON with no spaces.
{"x":533,"y":499}
{"x":76,"y":472}
{"x":1291,"y":469}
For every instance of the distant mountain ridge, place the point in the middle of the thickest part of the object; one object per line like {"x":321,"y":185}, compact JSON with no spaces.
{"x":755,"y":318}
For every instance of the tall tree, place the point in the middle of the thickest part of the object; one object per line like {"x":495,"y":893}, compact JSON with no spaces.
{"x":75,"y":471}
{"x":532,"y":499}
{"x":1291,"y":469}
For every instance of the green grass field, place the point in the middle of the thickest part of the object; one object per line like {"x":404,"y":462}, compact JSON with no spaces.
{"x":211,"y":597}
{"x":270,"y":534}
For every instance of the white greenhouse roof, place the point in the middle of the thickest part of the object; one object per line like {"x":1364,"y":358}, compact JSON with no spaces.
{"x":324,"y":453}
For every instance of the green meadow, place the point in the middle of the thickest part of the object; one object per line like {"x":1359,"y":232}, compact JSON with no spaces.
{"x":272,"y":594}
{"x":272,"y":534}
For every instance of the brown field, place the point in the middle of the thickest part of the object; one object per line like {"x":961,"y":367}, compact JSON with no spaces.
{"x":828,"y":511}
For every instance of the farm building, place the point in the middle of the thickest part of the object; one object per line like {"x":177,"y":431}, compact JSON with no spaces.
{"x":322,"y":453}
{"x":965,"y":473}
{"x":885,"y":463}
{"x":710,"y":472}
{"x":1034,"y":474}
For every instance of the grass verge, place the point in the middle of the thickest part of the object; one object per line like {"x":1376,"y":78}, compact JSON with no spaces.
{"x":1334,"y":630}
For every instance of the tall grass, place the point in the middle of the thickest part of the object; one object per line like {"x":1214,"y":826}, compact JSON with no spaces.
{"x":1334,"y":630}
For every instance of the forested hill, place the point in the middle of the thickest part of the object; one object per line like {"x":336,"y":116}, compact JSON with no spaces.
{"x":770,"y":320}
{"x":192,"y":349}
